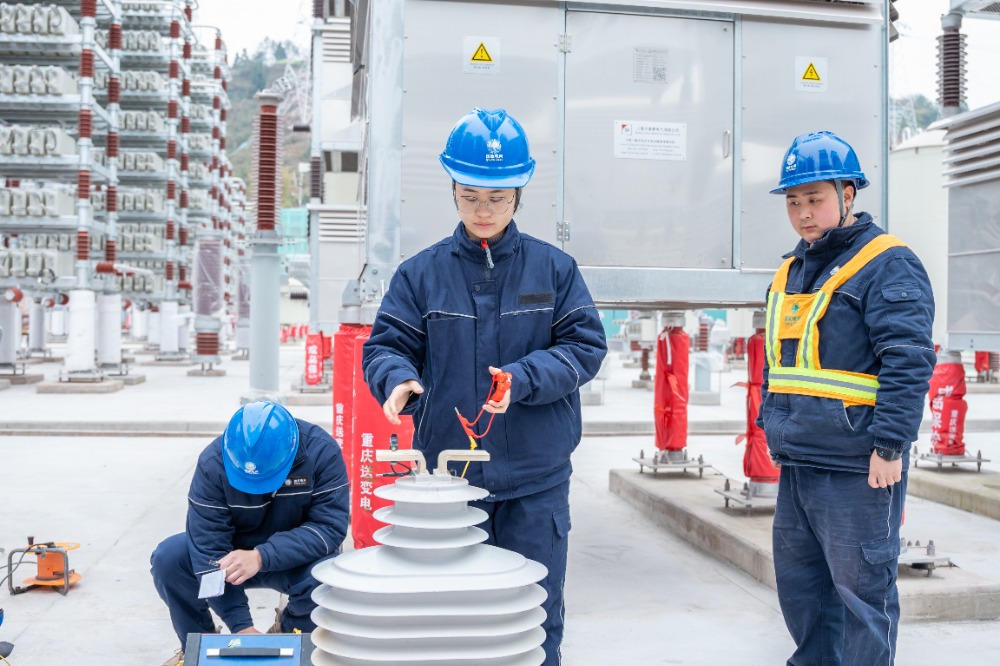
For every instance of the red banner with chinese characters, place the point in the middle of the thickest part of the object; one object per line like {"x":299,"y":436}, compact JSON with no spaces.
{"x":343,"y":387}
{"x":370,"y":431}
{"x":948,"y":408}
{"x":314,"y":358}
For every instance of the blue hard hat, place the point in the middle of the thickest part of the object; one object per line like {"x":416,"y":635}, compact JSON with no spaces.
{"x":488,"y":148}
{"x":259,"y":447}
{"x":819,"y":156}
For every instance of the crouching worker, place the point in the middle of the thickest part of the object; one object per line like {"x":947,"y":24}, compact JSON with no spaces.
{"x":268,"y":500}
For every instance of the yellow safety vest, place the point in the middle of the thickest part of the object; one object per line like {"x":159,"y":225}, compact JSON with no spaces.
{"x":796,"y":317}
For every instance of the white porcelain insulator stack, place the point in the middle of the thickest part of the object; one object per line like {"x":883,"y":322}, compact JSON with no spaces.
{"x":432,"y":593}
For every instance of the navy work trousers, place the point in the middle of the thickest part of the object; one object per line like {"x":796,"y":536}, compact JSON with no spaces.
{"x":537,"y":526}
{"x":178,"y":585}
{"x":836,"y":546}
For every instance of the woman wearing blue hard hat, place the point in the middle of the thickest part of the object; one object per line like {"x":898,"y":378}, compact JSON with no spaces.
{"x":848,"y":358}
{"x":485,"y":301}
{"x":268,"y":499}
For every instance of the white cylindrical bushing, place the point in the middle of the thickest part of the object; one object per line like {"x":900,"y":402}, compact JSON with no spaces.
{"x":82,"y":339}
{"x":432,"y":593}
{"x":109,"y":329}
{"x":168,"y":327}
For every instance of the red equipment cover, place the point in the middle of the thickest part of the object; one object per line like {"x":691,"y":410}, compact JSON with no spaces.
{"x":327,"y":347}
{"x":314,"y":358}
{"x":757,"y":463}
{"x":670,"y":389}
{"x":343,"y":387}
{"x":948,"y":409}
{"x":982,"y":362}
{"x":370,"y":431}
{"x":948,"y":425}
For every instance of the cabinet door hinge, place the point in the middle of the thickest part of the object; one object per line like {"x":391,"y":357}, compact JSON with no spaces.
{"x":564,"y":43}
{"x":562,"y":230}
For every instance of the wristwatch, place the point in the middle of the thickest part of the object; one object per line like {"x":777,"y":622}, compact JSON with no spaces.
{"x":888,"y":454}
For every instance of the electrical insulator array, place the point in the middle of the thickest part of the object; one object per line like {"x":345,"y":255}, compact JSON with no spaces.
{"x":112,"y":169}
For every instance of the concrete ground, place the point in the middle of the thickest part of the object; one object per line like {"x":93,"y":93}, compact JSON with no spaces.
{"x":635,"y":593}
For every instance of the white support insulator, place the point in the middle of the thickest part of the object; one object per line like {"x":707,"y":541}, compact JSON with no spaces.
{"x":168,"y":327}
{"x":57,"y":322}
{"x":432,"y":593}
{"x":109,"y":329}
{"x":36,"y":326}
{"x":153,"y":328}
{"x":184,"y":318}
{"x":10,"y":322}
{"x":82,"y":338}
{"x":140,"y":324}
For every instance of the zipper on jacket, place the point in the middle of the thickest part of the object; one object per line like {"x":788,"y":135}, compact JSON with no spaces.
{"x":423,"y":416}
{"x":489,"y":256}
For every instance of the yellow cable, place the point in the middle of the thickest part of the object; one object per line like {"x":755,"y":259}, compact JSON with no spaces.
{"x":5,"y":661}
{"x":472,"y":447}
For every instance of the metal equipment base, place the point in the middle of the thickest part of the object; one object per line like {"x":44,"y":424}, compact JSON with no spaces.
{"x":671,"y":460}
{"x":942,"y":460}
{"x":174,"y":358}
{"x":118,"y":370}
{"x":752,"y":495}
{"x":206,"y":372}
{"x":87,"y":376}
{"x":921,"y":558}
{"x":19,"y":378}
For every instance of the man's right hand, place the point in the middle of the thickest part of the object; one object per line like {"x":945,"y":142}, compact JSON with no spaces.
{"x":398,"y":399}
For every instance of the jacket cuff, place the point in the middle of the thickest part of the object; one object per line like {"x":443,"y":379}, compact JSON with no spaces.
{"x":265,"y":557}
{"x":396,"y":378}
{"x":892,"y":444}
{"x":519,"y":389}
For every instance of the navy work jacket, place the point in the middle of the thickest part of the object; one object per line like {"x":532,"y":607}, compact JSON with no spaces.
{"x":447,"y":316}
{"x":878,"y":323}
{"x":304,"y":520}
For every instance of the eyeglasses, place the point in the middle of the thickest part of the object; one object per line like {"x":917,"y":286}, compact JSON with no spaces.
{"x":496,"y":205}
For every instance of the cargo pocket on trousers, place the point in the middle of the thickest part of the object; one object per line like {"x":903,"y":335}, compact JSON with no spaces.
{"x":562,"y":526}
{"x":878,"y":568}
{"x":562,"y":521}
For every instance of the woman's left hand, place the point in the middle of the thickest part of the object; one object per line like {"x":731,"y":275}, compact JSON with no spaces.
{"x":498,"y":406}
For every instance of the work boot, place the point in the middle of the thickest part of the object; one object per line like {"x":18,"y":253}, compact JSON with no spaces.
{"x":176,"y":660}
{"x":276,"y":627}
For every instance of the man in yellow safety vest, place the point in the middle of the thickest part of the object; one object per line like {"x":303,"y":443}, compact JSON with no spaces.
{"x":848,"y":357}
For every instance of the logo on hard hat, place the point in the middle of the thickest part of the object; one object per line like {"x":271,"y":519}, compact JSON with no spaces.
{"x":493,"y":149}
{"x":250,"y":468}
{"x":790,"y":163}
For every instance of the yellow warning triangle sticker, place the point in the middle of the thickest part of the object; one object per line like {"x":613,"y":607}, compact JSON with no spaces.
{"x":811,"y":73}
{"x":481,"y":54}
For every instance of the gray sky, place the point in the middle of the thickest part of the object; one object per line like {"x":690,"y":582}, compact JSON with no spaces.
{"x":245,"y":23}
{"x":913,"y":57}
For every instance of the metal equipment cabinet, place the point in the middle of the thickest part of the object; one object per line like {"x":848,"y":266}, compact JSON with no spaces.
{"x":658,"y":128}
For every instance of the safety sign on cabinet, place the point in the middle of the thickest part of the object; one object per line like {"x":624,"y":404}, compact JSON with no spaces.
{"x":811,"y":74}
{"x":481,"y":55}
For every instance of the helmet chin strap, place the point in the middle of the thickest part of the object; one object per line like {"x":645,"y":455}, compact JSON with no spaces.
{"x":840,"y":200}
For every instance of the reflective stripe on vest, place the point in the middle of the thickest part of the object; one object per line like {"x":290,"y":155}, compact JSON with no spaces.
{"x":808,"y":377}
